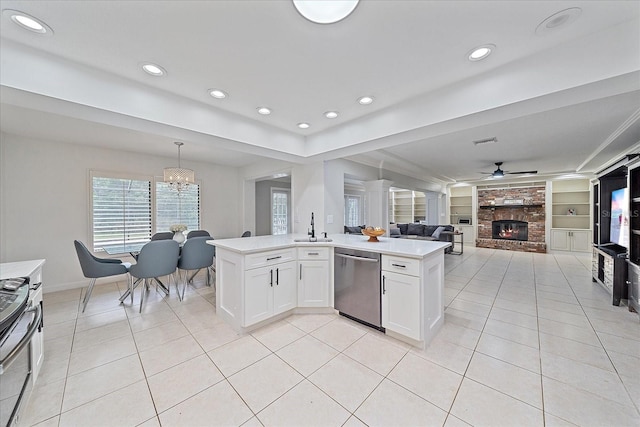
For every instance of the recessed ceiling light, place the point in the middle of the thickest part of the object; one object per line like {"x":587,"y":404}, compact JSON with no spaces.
{"x":303,"y":125}
{"x":325,"y":11}
{"x":557,"y":20}
{"x":264,"y":111}
{"x":154,"y":69}
{"x":331,"y":114}
{"x":28,"y":22}
{"x":365,"y":100}
{"x":217,"y":93}
{"x":481,"y":52}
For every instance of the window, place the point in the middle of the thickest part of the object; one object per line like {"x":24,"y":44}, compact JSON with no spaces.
{"x":177,"y":208}
{"x":122,"y":209}
{"x":352,"y":215}
{"x":279,"y":211}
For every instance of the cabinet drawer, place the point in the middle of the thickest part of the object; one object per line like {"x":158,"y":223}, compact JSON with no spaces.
{"x":263,"y":259}
{"x":313,"y":253}
{"x":401,"y":265}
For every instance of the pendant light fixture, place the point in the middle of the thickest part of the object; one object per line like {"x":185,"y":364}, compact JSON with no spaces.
{"x":179,"y":178}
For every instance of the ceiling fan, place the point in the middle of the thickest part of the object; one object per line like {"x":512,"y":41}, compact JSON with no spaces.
{"x":499,"y":173}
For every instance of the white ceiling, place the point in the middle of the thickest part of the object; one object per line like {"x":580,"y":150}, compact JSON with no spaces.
{"x":565,"y":101}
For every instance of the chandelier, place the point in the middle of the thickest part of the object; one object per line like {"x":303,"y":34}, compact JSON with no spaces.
{"x":179,"y":178}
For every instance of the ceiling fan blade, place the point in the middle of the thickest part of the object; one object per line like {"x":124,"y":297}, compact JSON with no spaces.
{"x":522,"y":172}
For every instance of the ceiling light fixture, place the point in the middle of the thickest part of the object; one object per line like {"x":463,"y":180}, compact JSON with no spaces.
{"x":557,"y":20}
{"x":481,"y":52}
{"x":264,"y":111}
{"x":304,"y":125}
{"x":154,"y":69}
{"x":179,"y":178}
{"x":365,"y":100}
{"x":325,"y":11}
{"x":331,"y":114}
{"x":28,"y":22}
{"x":217,"y":93}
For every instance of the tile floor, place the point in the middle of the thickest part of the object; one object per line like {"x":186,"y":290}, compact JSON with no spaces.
{"x":528,"y":340}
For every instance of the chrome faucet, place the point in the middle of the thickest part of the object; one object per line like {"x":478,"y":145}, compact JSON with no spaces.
{"x":312,"y":233}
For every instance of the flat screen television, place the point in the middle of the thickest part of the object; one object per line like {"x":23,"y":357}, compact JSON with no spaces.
{"x":619,"y":231}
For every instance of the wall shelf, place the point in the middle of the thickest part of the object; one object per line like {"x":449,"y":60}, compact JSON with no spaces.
{"x":510,"y":206}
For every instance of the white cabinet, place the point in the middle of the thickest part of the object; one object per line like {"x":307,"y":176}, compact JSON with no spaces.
{"x":570,"y":240}
{"x":313,"y":277}
{"x":401,"y":304}
{"x":269,"y":291}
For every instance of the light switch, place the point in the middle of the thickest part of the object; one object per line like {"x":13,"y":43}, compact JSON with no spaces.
{"x":329,"y":219}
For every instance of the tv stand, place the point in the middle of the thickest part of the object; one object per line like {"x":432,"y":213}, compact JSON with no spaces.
{"x":609,"y":269}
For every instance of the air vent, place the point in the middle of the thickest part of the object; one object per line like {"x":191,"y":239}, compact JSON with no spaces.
{"x":486,"y":141}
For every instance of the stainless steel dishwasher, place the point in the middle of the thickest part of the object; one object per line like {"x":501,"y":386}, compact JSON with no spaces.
{"x":357,"y":286}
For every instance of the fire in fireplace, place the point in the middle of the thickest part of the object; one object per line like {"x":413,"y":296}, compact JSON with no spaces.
{"x":510,"y":230}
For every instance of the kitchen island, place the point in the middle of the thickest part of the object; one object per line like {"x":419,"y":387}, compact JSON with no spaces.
{"x":265,"y":278}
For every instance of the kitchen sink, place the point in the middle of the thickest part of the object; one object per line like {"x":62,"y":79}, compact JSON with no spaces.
{"x":317,"y":240}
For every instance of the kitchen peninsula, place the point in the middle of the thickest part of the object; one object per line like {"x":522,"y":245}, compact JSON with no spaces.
{"x":266,"y":278}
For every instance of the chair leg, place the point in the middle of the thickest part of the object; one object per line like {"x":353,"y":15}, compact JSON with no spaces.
{"x":145,"y":289}
{"x":88,"y":294}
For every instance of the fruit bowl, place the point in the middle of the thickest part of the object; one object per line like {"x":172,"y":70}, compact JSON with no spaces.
{"x":373,"y":233}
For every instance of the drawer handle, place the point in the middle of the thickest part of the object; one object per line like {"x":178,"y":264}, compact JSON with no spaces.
{"x":313,"y":253}
{"x":399,"y":265}
{"x":275,"y":257}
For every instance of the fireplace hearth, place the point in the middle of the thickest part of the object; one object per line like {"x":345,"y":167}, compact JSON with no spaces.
{"x":510,"y":230}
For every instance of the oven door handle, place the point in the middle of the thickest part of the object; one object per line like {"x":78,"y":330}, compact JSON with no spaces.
{"x":33,"y":327}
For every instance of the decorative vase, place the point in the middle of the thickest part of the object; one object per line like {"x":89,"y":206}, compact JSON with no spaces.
{"x":178,"y":236}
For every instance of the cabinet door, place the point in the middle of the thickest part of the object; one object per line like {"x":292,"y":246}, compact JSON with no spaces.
{"x":258,"y":294}
{"x":560,"y":240}
{"x":580,"y":240}
{"x":285,"y":287}
{"x":401,"y":304}
{"x":313,"y":284}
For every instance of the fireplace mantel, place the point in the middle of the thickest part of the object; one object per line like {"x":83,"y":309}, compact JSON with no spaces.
{"x":510,"y":206}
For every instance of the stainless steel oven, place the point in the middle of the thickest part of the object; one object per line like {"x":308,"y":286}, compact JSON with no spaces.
{"x":19,"y":321}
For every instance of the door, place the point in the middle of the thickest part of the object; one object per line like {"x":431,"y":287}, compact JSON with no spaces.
{"x":580,"y":240}
{"x":258,"y":294}
{"x":285,"y":287}
{"x":401,"y":304}
{"x":560,"y":240}
{"x":280,"y":223}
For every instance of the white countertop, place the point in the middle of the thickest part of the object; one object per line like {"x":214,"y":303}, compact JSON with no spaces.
{"x":390,"y":246}
{"x":9,"y":270}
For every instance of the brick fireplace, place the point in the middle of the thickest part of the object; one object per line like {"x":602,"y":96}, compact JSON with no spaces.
{"x":512,"y":219}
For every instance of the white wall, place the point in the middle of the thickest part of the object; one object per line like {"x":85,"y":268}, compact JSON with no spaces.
{"x":44,"y":197}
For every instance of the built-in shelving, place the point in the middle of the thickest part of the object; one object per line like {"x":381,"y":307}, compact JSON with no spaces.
{"x":407,"y":206}
{"x":571,"y":204}
{"x":460,"y":204}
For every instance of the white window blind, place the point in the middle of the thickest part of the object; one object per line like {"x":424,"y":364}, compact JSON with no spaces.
{"x":121,"y":211}
{"x":177,"y":208}
{"x":351,"y":210}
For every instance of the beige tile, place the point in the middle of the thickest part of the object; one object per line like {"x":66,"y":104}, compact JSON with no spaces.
{"x":469,"y":296}
{"x":278,"y":335}
{"x":619,"y":344}
{"x":464,"y":319}
{"x":515,"y":333}
{"x":307,"y":354}
{"x":374,"y":353}
{"x":58,"y":348}
{"x":99,"y":354}
{"x":265,"y":381}
{"x":459,"y":335}
{"x":579,"y":320}
{"x":528,"y":307}
{"x":511,"y":352}
{"x":130,"y":405}
{"x":332,"y":379}
{"x":51,"y":422}
{"x":152,"y":319}
{"x":200,"y":320}
{"x":426,"y":379}
{"x":514,"y":318}
{"x":218,"y":404}
{"x":237,"y":355}
{"x":477,"y":404}
{"x":570,"y":332}
{"x":70,"y":295}
{"x":604,"y":383}
{"x":45,"y":402}
{"x":310,"y":322}
{"x":443,"y":353}
{"x":170,"y":354}
{"x":100,"y":334}
{"x":455,"y":422}
{"x":304,"y":405}
{"x":182,"y":381}
{"x":94,"y":383}
{"x":216,"y":336}
{"x":390,"y":405}
{"x":253,"y":422}
{"x":471,"y":307}
{"x":53,"y":369}
{"x":161,"y":334}
{"x":507,"y":378}
{"x":583,"y":408}
{"x":338,"y":333}
{"x":353,"y":421}
{"x":151,"y":422}
{"x":585,"y":353}
{"x":59,"y":330}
